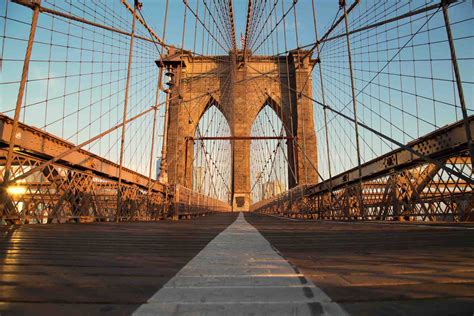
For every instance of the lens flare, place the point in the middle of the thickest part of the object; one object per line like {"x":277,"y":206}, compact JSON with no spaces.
{"x":16,"y":190}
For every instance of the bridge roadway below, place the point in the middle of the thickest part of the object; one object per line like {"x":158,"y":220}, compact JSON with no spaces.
{"x":225,"y":263}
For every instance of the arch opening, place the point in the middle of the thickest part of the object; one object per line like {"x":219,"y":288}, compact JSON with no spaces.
{"x":212,"y":167}
{"x":268,"y":157}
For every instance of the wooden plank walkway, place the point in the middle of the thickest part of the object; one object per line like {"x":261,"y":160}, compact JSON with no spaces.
{"x":99,"y":268}
{"x":381,"y":268}
{"x":108,"y":268}
{"x":239,"y":273}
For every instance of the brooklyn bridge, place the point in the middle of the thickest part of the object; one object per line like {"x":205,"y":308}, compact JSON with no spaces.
{"x":231,"y":157}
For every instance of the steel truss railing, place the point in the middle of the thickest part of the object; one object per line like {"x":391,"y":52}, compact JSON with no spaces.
{"x":62,"y":193}
{"x":83,"y":187}
{"x":396,"y":186}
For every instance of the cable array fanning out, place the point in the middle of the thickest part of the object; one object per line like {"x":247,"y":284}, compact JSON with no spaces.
{"x":363,"y":113}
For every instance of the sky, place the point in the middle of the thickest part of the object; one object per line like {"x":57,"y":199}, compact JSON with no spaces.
{"x":155,"y":10}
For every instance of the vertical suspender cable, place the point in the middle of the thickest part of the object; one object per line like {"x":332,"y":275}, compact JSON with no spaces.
{"x":124,"y":121}
{"x":324,"y":102}
{"x":21,"y":91}
{"x":457,"y":74}
{"x":342,"y":3}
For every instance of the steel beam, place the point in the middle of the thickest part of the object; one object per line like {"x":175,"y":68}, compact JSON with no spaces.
{"x":447,"y":144}
{"x":41,"y":144}
{"x":445,"y":141}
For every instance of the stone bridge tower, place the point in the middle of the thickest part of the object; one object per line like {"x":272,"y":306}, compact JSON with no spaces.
{"x":241,"y":85}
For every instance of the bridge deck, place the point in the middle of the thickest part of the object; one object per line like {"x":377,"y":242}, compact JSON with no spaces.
{"x":96,"y":268}
{"x":381,"y":268}
{"x":114,"y":268}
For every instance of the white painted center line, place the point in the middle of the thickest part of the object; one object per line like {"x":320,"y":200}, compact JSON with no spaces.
{"x":239,"y":273}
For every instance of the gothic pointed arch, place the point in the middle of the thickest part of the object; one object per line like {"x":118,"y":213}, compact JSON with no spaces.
{"x":203,"y":107}
{"x":269,"y":163}
{"x":278,"y":110}
{"x":211,"y":171}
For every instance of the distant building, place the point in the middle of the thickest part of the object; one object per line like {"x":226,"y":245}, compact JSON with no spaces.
{"x":158,"y":167}
{"x":272,"y":188}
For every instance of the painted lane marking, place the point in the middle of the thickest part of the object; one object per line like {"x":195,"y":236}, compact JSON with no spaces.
{"x":239,"y":273}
